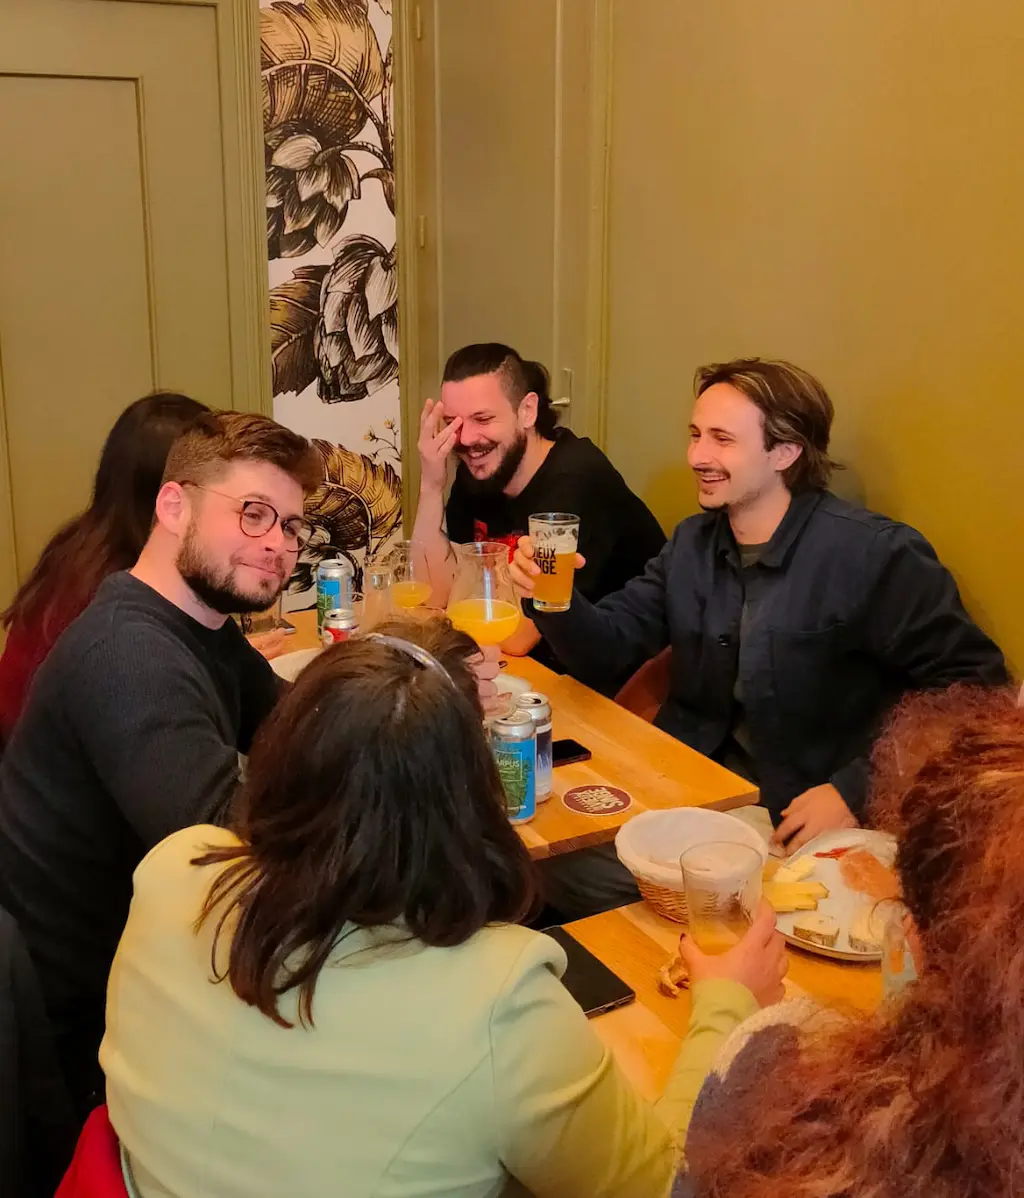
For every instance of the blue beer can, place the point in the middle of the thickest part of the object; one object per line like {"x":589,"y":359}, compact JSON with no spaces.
{"x":333,"y":588}
{"x":514,"y":745}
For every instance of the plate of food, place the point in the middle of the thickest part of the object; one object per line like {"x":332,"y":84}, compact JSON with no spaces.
{"x":827,"y":896}
{"x":290,"y":665}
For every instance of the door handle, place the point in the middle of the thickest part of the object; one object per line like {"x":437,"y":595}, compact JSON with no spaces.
{"x":564,"y":402}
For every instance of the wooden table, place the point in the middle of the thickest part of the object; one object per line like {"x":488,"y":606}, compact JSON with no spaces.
{"x":655,"y":768}
{"x":644,"y":1037}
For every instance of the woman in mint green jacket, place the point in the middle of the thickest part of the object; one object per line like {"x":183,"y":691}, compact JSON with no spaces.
{"x":335,"y":997}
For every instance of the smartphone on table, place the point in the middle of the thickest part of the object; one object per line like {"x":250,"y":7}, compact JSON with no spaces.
{"x":591,"y":983}
{"x":568,"y":752}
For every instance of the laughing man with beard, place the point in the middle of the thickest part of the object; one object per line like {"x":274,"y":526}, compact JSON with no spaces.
{"x":796,"y":620}
{"x":134,"y":724}
{"x":496,"y":419}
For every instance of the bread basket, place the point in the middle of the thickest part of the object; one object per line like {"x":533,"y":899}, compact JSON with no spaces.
{"x":650,"y":846}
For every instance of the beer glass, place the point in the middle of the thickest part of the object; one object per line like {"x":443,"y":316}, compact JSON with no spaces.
{"x":722,"y":880}
{"x":554,"y":536}
{"x":898,"y":969}
{"x":410,"y":575}
{"x":378,"y":604}
{"x":482,"y":602}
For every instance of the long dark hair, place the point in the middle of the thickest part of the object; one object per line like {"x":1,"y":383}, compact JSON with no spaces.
{"x":519,"y":376}
{"x":110,"y":533}
{"x":372,"y":799}
{"x":924,"y":1099}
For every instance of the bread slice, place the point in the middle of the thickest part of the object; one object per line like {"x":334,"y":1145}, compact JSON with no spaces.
{"x":866,"y":930}
{"x":817,"y":929}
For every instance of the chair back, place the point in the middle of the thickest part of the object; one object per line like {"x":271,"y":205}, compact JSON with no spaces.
{"x":647,"y":690}
{"x":95,"y":1171}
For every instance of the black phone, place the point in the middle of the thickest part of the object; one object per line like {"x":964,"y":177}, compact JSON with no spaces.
{"x":565,"y":752}
{"x":592,"y":984}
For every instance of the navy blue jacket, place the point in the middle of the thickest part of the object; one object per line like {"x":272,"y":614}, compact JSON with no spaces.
{"x":848,"y":611}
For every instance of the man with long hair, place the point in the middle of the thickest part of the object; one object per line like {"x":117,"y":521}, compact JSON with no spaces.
{"x":135,"y":721}
{"x":796,"y":620}
{"x":495,"y":417}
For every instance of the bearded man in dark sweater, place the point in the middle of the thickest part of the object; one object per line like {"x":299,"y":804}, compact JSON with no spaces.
{"x":135,"y":722}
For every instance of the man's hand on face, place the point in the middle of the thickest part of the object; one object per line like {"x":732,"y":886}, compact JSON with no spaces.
{"x":435,"y":445}
{"x":820,"y":809}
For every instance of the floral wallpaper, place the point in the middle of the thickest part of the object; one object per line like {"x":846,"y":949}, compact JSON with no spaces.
{"x":326,"y":69}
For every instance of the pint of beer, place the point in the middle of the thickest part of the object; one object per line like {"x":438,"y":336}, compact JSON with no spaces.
{"x":554,"y":536}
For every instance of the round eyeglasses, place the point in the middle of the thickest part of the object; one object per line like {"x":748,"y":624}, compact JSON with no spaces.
{"x":256,"y":518}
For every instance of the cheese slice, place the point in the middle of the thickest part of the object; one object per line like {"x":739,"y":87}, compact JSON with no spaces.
{"x":794,"y":896}
{"x":817,"y":929}
{"x":796,"y":870}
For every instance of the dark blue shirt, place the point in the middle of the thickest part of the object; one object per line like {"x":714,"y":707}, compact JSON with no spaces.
{"x":851,"y":610}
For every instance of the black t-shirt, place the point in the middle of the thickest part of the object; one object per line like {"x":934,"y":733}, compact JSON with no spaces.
{"x":131,"y":731}
{"x":618,"y":533}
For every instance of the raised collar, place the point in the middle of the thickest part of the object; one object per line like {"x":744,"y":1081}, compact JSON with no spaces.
{"x":801,"y":507}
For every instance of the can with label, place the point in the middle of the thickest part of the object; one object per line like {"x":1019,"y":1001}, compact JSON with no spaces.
{"x":514,"y":744}
{"x":334,"y":579}
{"x":538,"y":709}
{"x":338,"y":625}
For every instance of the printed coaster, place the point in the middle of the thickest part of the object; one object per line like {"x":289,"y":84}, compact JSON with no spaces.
{"x":597,"y":800}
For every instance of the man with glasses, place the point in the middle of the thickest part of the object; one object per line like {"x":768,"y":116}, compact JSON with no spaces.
{"x":135,"y":722}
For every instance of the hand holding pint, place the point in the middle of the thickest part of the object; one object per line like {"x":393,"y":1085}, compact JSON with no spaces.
{"x":553,"y":537}
{"x":525,"y":571}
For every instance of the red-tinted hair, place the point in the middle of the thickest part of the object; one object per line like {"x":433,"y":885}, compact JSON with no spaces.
{"x":926,"y":1098}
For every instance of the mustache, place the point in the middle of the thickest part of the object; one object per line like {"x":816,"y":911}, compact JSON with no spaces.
{"x":277,"y":565}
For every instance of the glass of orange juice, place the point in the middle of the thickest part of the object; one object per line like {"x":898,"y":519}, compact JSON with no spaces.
{"x":410,"y":575}
{"x":722,"y":880}
{"x":482,"y":602}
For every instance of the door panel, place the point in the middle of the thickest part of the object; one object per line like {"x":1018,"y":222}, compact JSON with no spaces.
{"x":118,"y":256}
{"x":73,"y":309}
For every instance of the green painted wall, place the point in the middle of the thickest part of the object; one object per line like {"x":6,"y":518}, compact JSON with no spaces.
{"x":842,"y":184}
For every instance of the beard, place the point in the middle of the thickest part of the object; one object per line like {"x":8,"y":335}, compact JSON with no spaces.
{"x":503,"y":473}
{"x":215,"y":586}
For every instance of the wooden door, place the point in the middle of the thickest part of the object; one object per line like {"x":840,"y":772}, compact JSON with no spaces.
{"x":131,"y":243}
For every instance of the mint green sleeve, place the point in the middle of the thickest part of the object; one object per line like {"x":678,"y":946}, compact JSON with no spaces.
{"x":569,"y":1125}
{"x":719,"y":1006}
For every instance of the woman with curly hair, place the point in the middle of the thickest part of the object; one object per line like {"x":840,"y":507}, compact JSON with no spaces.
{"x":924,"y":1099}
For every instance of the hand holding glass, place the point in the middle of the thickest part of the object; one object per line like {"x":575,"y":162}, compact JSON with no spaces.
{"x":554,"y":537}
{"x":722,"y":881}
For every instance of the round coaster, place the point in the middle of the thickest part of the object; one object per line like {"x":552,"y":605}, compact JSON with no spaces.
{"x":597,"y":800}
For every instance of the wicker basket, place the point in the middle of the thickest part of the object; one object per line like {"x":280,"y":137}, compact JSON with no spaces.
{"x":670,"y":903}
{"x":650,"y":844}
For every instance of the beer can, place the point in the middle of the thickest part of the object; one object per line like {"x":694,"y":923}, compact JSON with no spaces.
{"x":338,"y":625}
{"x":514,"y":744}
{"x":333,"y":588}
{"x":538,"y":709}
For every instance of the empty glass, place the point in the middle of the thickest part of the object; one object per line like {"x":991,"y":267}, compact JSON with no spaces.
{"x":378,"y":604}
